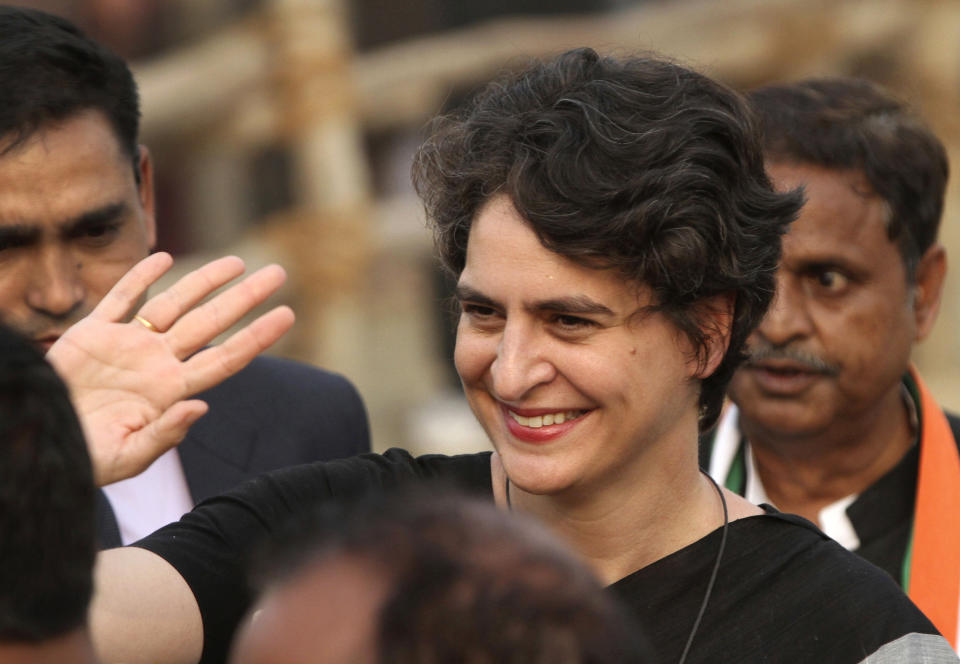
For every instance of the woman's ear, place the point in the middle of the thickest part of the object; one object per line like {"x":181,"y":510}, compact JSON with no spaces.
{"x":716,"y":320}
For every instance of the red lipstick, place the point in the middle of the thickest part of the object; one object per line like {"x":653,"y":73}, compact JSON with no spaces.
{"x":538,"y":435}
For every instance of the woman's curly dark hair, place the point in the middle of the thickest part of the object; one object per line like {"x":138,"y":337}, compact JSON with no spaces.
{"x":635,"y":164}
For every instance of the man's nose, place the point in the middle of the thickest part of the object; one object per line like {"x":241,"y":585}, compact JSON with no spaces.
{"x":56,"y":288}
{"x":522,"y":362}
{"x":788,"y":317}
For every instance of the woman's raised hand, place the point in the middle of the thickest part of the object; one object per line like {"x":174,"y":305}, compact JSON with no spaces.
{"x":130,"y":378}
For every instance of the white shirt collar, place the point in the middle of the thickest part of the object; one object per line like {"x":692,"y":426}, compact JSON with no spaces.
{"x":833,"y":518}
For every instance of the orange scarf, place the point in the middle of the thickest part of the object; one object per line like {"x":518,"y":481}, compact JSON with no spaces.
{"x":934,"y":583}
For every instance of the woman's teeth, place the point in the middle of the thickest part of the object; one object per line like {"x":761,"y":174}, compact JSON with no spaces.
{"x":545,"y":420}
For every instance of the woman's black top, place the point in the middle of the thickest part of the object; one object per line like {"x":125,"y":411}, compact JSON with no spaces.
{"x":784,"y":593}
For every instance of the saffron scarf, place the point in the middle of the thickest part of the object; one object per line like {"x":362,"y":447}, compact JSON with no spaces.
{"x":932,"y":564}
{"x":931,"y":567}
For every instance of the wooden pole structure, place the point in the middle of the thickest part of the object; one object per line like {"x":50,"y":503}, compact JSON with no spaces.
{"x":325,"y":236}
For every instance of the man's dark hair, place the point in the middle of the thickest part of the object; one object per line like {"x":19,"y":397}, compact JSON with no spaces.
{"x":634,"y":164}
{"x":466,"y":582}
{"x":50,"y":70}
{"x":46,"y":500}
{"x":847,"y":123}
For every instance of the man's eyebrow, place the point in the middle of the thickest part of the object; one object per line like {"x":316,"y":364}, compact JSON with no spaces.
{"x":15,"y":235}
{"x":105,"y":214}
{"x":812,"y":266}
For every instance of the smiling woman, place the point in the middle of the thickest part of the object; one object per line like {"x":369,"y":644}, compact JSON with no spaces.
{"x":541,"y":337}
{"x":615,"y":237}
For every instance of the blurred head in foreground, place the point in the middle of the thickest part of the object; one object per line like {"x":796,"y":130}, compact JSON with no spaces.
{"x":46,"y":513}
{"x":430,"y":578}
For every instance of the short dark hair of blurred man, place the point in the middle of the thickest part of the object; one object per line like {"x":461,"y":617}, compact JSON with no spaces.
{"x":76,"y":212}
{"x":46,"y":514}
{"x":831,"y":421}
{"x":420,"y":576}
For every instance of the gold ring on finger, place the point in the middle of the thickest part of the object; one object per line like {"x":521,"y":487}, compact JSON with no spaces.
{"x":147,"y":324}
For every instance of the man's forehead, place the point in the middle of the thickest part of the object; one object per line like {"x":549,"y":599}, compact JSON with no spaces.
{"x":82,"y":131}
{"x":65,"y":170}
{"x":842,"y":216}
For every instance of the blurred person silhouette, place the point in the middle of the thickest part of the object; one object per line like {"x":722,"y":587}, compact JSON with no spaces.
{"x":615,"y":239}
{"x":47,"y":536}
{"x":429,"y":577}
{"x":831,"y":420}
{"x":76,"y":212}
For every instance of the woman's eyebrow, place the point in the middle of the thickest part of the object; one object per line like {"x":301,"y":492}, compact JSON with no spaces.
{"x":468,"y":293}
{"x":575,"y":304}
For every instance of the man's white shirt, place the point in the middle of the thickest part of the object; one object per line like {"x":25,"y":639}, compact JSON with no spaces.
{"x":152,"y":499}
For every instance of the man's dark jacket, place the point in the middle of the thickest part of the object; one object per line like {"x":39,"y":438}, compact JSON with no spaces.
{"x":273,"y":413}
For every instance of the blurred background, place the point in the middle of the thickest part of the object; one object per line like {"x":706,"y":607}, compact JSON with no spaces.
{"x":282,"y":130}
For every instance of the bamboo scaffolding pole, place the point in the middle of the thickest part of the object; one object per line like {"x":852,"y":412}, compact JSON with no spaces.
{"x":215,"y":84}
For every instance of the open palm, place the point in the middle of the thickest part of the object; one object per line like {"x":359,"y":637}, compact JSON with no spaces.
{"x":131,"y":384}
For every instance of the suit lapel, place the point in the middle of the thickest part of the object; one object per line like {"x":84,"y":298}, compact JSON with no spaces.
{"x":216,"y":452}
{"x":108,"y":532}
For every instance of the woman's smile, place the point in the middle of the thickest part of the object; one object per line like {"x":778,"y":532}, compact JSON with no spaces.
{"x":541,"y":425}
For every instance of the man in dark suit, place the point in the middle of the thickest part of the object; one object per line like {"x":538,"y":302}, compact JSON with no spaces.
{"x":76,"y":212}
{"x":831,"y":421}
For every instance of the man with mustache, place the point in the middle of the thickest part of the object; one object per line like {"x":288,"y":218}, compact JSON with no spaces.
{"x":77,"y":211}
{"x":830,"y":420}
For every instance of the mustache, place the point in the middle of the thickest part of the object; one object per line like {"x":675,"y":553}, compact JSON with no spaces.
{"x":39,"y":326}
{"x":762,"y":351}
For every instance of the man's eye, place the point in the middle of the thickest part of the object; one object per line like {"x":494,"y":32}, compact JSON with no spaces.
{"x":832,"y":280}
{"x":100,"y":231}
{"x":11,"y":243}
{"x":98,"y":234}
